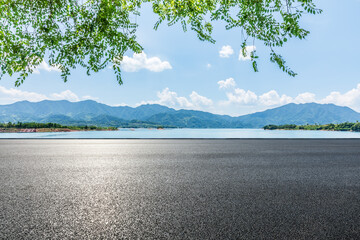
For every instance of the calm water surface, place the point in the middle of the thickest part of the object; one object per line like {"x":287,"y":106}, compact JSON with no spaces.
{"x":187,"y":133}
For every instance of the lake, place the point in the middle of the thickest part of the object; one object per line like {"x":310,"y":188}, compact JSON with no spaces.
{"x":187,"y":133}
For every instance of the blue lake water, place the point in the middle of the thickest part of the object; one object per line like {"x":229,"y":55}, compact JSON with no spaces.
{"x":187,"y":133}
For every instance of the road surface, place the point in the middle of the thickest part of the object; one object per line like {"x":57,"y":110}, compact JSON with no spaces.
{"x":179,"y":189}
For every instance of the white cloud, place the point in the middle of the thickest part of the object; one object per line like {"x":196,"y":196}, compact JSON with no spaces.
{"x":269,"y":99}
{"x":171,"y":99}
{"x":306,"y":97}
{"x":272,"y":98}
{"x":65,"y":95}
{"x":208,"y":65}
{"x":88,"y":97}
{"x":14,"y":95}
{"x":226,"y":51}
{"x":230,"y":82}
{"x":248,"y":51}
{"x":239,"y":99}
{"x":141,"y":61}
{"x":240,"y":96}
{"x":350,"y":98}
{"x":44,"y":66}
{"x":199,"y":100}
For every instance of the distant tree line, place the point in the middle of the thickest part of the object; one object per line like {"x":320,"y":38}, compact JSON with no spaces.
{"x":347,"y":126}
{"x":21,"y":125}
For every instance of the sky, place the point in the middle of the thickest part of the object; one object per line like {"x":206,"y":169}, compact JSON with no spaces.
{"x":179,"y":71}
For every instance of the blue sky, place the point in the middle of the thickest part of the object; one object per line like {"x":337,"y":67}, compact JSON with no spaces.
{"x":179,"y":71}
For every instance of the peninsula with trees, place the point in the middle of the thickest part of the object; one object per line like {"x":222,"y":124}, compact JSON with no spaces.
{"x":347,"y":126}
{"x":48,"y":127}
{"x":28,"y":127}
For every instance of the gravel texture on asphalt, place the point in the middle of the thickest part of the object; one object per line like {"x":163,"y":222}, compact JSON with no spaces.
{"x":179,"y":189}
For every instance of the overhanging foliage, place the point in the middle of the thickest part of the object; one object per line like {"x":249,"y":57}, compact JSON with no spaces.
{"x":97,"y":33}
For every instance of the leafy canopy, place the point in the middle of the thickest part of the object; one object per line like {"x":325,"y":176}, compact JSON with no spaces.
{"x":97,"y":33}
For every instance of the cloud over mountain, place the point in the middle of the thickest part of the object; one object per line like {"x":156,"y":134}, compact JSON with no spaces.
{"x":172,"y":99}
{"x":13,"y":95}
{"x":234,"y":100}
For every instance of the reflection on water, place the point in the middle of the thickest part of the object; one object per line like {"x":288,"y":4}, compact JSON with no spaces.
{"x":187,"y":133}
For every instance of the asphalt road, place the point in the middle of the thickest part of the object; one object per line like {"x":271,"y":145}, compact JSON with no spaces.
{"x":179,"y":189}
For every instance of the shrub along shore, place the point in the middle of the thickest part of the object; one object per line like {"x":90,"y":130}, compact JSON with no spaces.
{"x":347,"y":126}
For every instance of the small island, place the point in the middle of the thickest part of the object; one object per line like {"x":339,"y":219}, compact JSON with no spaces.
{"x":347,"y":126}
{"x":47,"y":127}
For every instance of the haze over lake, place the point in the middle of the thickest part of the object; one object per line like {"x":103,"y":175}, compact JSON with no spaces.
{"x":187,"y":133}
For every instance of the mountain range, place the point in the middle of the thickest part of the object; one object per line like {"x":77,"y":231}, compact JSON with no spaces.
{"x":93,"y":113}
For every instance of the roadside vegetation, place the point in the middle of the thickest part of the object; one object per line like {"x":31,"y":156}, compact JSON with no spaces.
{"x":347,"y":126}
